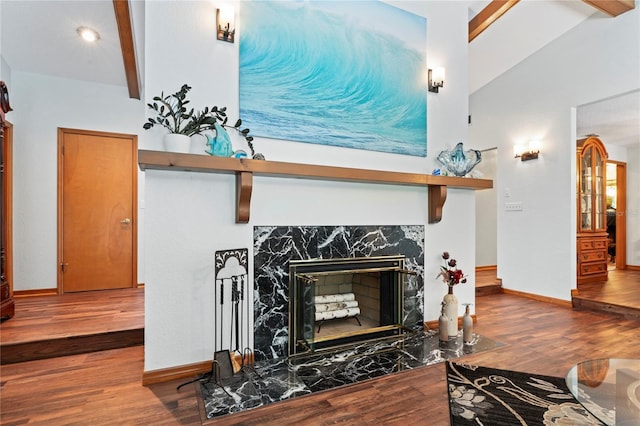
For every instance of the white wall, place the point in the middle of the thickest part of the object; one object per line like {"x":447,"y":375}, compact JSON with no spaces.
{"x":42,"y":104}
{"x":537,"y":99}
{"x":189,"y":216}
{"x":486,"y":213}
{"x":630,"y":154}
{"x":633,"y":206}
{"x":5,"y":72}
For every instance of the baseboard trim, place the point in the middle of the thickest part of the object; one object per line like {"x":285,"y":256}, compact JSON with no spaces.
{"x":47,"y":292}
{"x":434,"y":324}
{"x":190,"y":370}
{"x":487,"y":268}
{"x":173,"y":373}
{"x":633,"y":268}
{"x":539,"y":298}
{"x":36,"y":292}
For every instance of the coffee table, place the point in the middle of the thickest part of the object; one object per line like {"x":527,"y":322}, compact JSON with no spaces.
{"x":608,"y":388}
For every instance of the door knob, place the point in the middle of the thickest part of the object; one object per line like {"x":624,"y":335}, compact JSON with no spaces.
{"x":126,"y":221}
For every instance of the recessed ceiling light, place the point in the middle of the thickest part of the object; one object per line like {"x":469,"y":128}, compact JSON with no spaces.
{"x":88,"y":34}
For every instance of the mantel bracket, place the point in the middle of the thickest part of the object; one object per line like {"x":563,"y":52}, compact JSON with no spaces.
{"x":437,"y":197}
{"x":244,"y":186}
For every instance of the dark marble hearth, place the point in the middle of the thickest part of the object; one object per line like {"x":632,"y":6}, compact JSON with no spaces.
{"x":280,"y":379}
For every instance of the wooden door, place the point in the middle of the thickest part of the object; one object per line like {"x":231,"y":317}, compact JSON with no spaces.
{"x":620,"y":237}
{"x":97,"y":193}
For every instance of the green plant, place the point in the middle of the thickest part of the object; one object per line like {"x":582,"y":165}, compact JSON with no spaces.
{"x":171,"y":113}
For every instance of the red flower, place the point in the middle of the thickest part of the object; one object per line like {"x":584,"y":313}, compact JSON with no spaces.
{"x":449,"y":273}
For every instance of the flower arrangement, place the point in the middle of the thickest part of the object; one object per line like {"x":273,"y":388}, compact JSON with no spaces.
{"x":449,"y":272}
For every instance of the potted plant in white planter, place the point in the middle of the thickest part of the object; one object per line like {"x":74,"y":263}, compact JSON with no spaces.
{"x":171,"y":113}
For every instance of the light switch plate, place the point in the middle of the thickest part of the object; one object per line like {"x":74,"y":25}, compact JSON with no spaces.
{"x":513,"y":207}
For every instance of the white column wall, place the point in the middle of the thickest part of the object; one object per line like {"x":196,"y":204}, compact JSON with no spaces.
{"x":189,"y":215}
{"x":633,"y":206}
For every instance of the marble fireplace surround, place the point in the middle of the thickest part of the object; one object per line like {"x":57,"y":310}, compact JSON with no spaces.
{"x":275,"y":246}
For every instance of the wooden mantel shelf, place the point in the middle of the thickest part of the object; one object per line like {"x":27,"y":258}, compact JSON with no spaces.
{"x":245,"y":169}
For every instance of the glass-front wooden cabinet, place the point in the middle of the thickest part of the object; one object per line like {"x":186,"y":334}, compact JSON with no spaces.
{"x":591,"y":185}
{"x":7,"y":307}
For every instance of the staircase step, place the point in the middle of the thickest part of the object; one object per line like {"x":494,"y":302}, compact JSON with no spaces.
{"x":627,"y":312}
{"x":487,"y":289}
{"x":73,"y":345}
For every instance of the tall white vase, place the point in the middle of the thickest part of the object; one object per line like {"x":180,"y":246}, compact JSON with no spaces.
{"x":451,"y":311}
{"x":467,"y":325}
{"x":174,"y":142}
{"x":443,"y":326}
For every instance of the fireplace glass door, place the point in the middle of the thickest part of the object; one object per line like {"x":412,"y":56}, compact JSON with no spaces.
{"x":340,"y":301}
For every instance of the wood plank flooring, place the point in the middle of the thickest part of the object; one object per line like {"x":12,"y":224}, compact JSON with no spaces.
{"x":620,"y":294}
{"x":487,"y":282}
{"x":72,"y":323}
{"x":104,"y":388}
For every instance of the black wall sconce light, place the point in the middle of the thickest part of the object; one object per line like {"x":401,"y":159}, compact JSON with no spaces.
{"x":528,"y":152}
{"x":225,"y":22}
{"x":436,"y":79}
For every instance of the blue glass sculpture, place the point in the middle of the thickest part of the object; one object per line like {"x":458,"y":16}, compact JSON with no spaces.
{"x":220,"y":145}
{"x":458,"y":161}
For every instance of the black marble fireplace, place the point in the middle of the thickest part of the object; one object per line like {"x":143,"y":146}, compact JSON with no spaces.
{"x":400,"y":248}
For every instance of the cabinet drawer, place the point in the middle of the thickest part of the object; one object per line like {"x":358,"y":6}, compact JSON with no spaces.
{"x":592,"y":268}
{"x":592,"y":256}
{"x":600,"y":244}
{"x":586,"y":245}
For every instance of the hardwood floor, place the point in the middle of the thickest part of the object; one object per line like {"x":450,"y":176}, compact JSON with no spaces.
{"x":72,"y":323}
{"x":104,"y":387}
{"x":619,"y":294}
{"x":487,"y":282}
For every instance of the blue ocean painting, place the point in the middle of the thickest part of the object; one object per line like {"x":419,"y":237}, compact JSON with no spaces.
{"x":340,"y":73}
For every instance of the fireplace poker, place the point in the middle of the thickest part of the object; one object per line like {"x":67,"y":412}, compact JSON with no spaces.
{"x":221,"y":314}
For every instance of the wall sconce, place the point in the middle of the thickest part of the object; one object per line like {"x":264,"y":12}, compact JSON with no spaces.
{"x":225,"y":21}
{"x":529,"y":152}
{"x":436,"y":79}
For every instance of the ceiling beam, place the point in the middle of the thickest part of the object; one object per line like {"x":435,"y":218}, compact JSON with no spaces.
{"x":488,"y":16}
{"x":125,"y":32}
{"x":612,"y":7}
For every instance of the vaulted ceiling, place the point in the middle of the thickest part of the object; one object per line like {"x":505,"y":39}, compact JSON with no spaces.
{"x":519,"y":28}
{"x":502,"y":33}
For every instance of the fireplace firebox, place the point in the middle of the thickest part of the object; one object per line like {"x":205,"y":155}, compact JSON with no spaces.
{"x":366,"y":295}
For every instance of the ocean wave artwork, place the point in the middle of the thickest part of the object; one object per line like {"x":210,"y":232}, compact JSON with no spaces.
{"x":348,"y":74}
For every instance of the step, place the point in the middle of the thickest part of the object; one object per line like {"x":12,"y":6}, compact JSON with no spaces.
{"x":55,"y":347}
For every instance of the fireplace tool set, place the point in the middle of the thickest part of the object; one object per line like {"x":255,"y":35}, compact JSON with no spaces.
{"x":230,"y":319}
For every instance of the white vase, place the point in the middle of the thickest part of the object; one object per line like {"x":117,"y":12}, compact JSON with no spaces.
{"x":467,"y":326}
{"x":198,"y":144}
{"x":174,"y":142}
{"x":451,"y":312}
{"x":443,"y":326}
